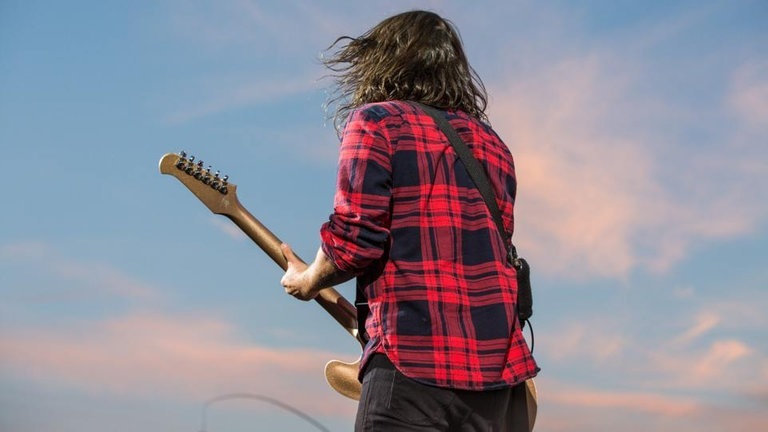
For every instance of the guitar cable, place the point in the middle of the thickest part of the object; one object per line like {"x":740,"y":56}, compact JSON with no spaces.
{"x":283,"y":405}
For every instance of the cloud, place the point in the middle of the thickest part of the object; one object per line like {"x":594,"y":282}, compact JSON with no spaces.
{"x":610,"y":177}
{"x":226,"y":96}
{"x":590,"y":341}
{"x":228,"y":227}
{"x":704,"y":323}
{"x":706,"y":376}
{"x":710,"y":356}
{"x":749,"y":94}
{"x":271,"y":66}
{"x":170,"y":357}
{"x":720,"y":355}
{"x":724,"y":364}
{"x":76,"y":279}
{"x":563,"y":407}
{"x":269,"y":31}
{"x":148,"y":352}
{"x":649,"y":403}
{"x":24,"y":250}
{"x":583,"y":185}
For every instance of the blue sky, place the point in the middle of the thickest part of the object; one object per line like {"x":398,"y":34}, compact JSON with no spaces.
{"x":640,"y":132}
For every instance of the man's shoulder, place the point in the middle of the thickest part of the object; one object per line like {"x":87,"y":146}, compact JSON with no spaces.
{"x":387,"y":110}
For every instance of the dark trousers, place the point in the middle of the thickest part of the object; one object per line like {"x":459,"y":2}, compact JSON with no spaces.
{"x":390,"y":401}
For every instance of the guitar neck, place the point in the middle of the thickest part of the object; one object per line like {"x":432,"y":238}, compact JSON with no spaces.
{"x":331,"y":300}
{"x":218,"y":194}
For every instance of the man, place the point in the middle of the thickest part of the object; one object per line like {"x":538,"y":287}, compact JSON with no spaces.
{"x":445,"y":347}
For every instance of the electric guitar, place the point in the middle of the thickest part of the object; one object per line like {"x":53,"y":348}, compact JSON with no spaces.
{"x":220,"y":196}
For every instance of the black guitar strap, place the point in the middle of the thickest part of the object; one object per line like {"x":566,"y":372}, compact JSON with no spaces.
{"x":361,"y":304}
{"x":480,"y":178}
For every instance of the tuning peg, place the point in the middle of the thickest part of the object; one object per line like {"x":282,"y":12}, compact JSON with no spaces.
{"x":207,"y":176}
{"x":181,"y":162}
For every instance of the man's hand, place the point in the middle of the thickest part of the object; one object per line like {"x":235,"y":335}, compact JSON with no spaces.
{"x":298,"y":279}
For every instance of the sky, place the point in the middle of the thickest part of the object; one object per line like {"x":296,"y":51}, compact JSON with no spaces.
{"x":640,"y":136}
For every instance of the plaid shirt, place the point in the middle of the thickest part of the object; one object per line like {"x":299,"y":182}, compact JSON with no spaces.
{"x":410,"y":223}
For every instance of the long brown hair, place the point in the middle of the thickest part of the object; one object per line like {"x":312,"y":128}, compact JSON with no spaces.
{"x":414,"y":55}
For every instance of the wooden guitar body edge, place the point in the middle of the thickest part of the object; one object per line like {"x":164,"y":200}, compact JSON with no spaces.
{"x":342,"y":377}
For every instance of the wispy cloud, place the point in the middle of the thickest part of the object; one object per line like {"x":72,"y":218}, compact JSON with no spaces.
{"x":261,"y":27}
{"x":76,"y":278}
{"x":149,"y":351}
{"x":590,"y":341}
{"x":573,"y":408}
{"x":24,"y":250}
{"x":585,"y":189}
{"x":703,"y":355}
{"x":173,"y":357}
{"x":673,"y":379}
{"x":599,"y":193}
{"x":273,"y":66}
{"x":703,"y":324}
{"x":724,"y":364}
{"x":228,"y":227}
{"x":749,"y":94}
{"x":227,"y":96}
{"x":649,"y":403}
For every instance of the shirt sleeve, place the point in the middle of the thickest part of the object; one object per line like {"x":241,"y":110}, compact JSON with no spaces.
{"x":357,"y":232}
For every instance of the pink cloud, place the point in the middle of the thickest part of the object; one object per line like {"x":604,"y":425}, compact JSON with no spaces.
{"x":24,"y":250}
{"x":564,"y":407}
{"x":226,"y":226}
{"x":591,"y":341}
{"x":749,"y":94}
{"x":603,"y":188}
{"x":649,"y":403}
{"x":704,"y":322}
{"x":722,"y":365}
{"x":694,"y":359}
{"x":582,"y":185}
{"x":182,"y":358}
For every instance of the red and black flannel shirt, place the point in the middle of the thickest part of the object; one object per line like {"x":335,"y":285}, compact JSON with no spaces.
{"x":410,"y":223}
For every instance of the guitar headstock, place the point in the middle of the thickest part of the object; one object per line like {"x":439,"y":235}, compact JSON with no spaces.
{"x":215,"y":191}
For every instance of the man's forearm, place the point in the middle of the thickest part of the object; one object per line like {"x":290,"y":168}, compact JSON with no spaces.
{"x":323,"y":273}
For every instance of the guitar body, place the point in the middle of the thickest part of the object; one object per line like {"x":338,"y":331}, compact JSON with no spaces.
{"x":219,"y":195}
{"x":342,"y":377}
{"x":528,"y":404}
